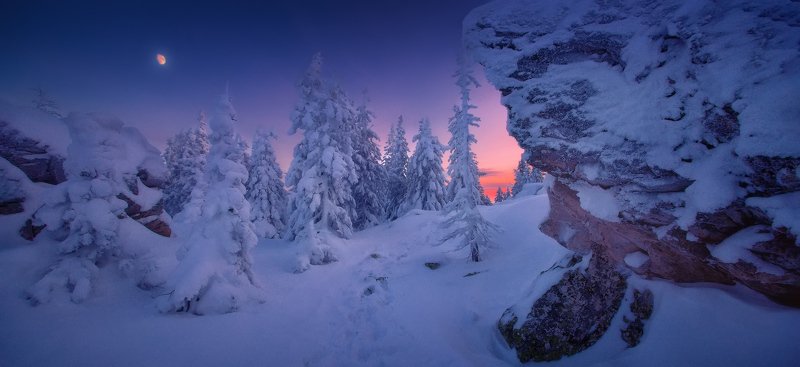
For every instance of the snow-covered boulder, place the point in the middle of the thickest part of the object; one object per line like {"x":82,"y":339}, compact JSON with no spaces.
{"x":571,"y":315}
{"x":11,"y":193}
{"x":36,"y":142}
{"x":668,"y":127}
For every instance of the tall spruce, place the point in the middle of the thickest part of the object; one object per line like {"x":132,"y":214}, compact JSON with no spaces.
{"x":185,"y":156}
{"x":525,"y":174}
{"x":265,"y":190}
{"x":426,"y":180}
{"x":214,"y":273}
{"x":499,"y":196}
{"x":464,"y":190}
{"x":396,"y":163}
{"x":322,"y":173}
{"x":368,"y":191}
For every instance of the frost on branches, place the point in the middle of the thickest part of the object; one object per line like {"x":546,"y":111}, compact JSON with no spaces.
{"x":214,"y":274}
{"x":185,"y":156}
{"x":464,"y":190}
{"x":322,"y":173}
{"x":369,"y":190}
{"x":104,"y":167}
{"x":396,"y":163}
{"x":426,"y":180}
{"x":265,"y":190}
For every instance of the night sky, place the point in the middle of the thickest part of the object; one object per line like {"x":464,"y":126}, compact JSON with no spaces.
{"x":98,"y":56}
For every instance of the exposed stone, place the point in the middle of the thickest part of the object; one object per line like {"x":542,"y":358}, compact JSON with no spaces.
{"x":571,"y":316}
{"x":30,"y":156}
{"x":12,"y":206}
{"x":29,"y":231}
{"x":150,"y":218}
{"x":641,"y":308}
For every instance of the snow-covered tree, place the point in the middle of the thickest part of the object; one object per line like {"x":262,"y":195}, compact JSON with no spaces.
{"x":86,"y":207}
{"x":524,"y":174}
{"x":368,"y":191}
{"x":396,"y":163}
{"x":426,"y":180}
{"x":215,"y":274}
{"x":499,"y":196}
{"x":106,"y":162}
{"x":464,"y":190}
{"x":322,"y":173}
{"x":265,"y":190}
{"x":521,"y":176}
{"x":508,"y":193}
{"x":185,"y":156}
{"x":463,"y":167}
{"x":536,"y":175}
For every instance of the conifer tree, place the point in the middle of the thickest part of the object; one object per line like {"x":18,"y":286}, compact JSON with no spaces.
{"x":185,"y":156}
{"x":214,"y":273}
{"x":499,"y":196}
{"x":322,"y":173}
{"x":396,"y":163}
{"x":265,"y":190}
{"x":426,"y":180}
{"x":464,"y":190}
{"x":369,"y":190}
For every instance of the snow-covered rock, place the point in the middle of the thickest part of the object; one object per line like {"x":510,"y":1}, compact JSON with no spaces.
{"x":666,"y":125}
{"x":36,"y":142}
{"x":571,"y":315}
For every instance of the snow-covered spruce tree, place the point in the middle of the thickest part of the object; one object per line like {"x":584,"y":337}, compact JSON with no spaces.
{"x":185,"y":156}
{"x":536,"y":175}
{"x":369,"y":190}
{"x":84,"y":210}
{"x":322,"y":173}
{"x":463,"y":167}
{"x":499,"y":196}
{"x":426,"y":180}
{"x":507,"y":194}
{"x":522,"y":175}
{"x":214,"y":273}
{"x":464,"y":190}
{"x":265,"y":190}
{"x":396,"y":163}
{"x":112,"y":176}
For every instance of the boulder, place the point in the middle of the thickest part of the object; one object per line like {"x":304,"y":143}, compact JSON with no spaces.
{"x":571,"y":315}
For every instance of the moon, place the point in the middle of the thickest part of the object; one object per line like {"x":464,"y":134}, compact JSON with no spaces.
{"x":162,"y":60}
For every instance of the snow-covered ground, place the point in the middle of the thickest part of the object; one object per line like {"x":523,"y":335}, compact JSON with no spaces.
{"x":380,"y":305}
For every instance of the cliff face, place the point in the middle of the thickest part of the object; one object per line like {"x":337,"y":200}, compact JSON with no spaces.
{"x":670,"y":128}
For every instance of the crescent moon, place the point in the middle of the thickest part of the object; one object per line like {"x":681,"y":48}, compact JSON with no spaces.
{"x":161,"y":59}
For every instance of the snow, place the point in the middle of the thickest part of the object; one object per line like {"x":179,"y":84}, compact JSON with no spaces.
{"x":636,"y":259}
{"x":784,"y":210}
{"x":379,"y":305}
{"x":737,"y":247}
{"x":38,"y":125}
{"x":598,"y":202}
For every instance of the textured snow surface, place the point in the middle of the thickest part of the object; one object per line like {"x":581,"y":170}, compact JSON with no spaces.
{"x":378,"y":305}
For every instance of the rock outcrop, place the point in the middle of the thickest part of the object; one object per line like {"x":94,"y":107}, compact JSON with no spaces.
{"x":669,"y":130}
{"x":571,"y":315}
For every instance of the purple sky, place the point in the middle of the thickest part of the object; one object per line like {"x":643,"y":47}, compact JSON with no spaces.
{"x":96,"y":56}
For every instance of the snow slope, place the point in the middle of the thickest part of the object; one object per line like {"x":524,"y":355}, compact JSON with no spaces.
{"x":378,"y":306}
